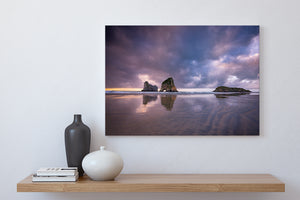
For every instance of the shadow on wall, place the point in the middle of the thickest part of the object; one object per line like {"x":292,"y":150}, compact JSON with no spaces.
{"x":168,"y":196}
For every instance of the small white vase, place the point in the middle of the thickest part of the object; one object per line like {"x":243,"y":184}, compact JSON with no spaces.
{"x":102,"y":165}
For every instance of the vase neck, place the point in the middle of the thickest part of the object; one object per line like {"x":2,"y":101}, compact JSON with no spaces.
{"x":77,"y":119}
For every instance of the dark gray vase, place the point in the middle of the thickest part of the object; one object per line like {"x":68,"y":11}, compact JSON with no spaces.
{"x":77,"y":142}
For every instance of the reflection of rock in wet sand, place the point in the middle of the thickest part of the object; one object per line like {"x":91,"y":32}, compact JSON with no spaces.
{"x":232,"y":94}
{"x":149,"y":98}
{"x":202,"y":114}
{"x":168,"y":101}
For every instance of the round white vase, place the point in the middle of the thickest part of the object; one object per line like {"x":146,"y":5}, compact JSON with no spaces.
{"x":102,"y":165}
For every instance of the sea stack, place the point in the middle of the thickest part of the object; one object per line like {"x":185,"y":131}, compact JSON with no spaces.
{"x":149,"y":88}
{"x":168,"y":86}
{"x":230,"y":89}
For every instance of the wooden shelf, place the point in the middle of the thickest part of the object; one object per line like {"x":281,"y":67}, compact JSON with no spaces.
{"x":162,"y":183}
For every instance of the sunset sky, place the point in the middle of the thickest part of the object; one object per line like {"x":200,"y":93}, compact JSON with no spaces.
{"x":195,"y":56}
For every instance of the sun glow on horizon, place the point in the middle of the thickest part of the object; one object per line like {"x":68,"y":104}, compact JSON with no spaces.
{"x":123,"y":89}
{"x":179,"y":89}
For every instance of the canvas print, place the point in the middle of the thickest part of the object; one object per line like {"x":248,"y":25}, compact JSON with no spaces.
{"x":182,"y":80}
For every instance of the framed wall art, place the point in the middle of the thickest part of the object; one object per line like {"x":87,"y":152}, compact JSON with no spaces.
{"x":182,"y":80}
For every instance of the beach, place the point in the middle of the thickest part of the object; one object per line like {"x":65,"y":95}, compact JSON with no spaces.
{"x":142,"y":113}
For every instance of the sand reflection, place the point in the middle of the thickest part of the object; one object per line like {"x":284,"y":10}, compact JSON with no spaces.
{"x":228,"y":95}
{"x":149,"y":98}
{"x":203,"y":114}
{"x":168,"y":101}
{"x":148,"y":102}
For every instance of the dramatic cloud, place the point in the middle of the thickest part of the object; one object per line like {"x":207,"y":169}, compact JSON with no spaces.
{"x":195,"y":56}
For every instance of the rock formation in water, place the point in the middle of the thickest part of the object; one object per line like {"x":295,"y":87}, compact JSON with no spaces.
{"x":168,"y":86}
{"x":230,"y":89}
{"x":149,"y":88}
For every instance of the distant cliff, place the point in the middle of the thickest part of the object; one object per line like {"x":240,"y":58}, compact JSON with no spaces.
{"x":149,"y":88}
{"x":168,"y":86}
{"x":230,"y":89}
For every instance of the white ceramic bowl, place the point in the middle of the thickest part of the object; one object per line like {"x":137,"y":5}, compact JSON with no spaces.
{"x":102,"y":165}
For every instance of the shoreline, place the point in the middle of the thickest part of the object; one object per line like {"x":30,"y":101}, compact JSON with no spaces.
{"x":158,"y":113}
{"x":173,"y":93}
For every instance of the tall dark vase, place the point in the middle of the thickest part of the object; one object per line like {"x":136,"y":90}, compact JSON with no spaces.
{"x":77,"y":142}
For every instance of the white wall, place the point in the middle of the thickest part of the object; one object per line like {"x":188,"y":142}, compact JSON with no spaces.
{"x":52,"y":66}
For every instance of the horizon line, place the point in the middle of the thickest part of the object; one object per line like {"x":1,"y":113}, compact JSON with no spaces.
{"x":135,"y":89}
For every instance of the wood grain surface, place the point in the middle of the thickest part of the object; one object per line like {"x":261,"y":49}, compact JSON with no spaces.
{"x":162,"y":183}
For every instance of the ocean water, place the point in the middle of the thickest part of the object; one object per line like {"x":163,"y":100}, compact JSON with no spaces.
{"x":185,"y":113}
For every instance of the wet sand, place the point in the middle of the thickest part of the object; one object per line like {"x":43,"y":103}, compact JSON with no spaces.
{"x":199,"y":114}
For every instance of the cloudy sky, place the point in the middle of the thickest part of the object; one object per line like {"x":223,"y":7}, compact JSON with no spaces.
{"x":195,"y":56}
